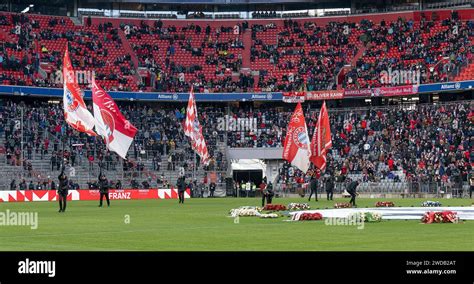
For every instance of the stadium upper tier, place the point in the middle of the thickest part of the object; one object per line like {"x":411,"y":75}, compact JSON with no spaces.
{"x":265,"y":55}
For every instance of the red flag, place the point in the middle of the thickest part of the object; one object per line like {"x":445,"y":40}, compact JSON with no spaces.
{"x":193,"y":129}
{"x":76,"y":113}
{"x":321,"y":141}
{"x":117,"y":131}
{"x":297,"y":146}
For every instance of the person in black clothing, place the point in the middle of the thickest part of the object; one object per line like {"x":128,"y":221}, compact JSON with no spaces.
{"x":329,"y":187}
{"x":53,"y":161}
{"x":13,"y":185}
{"x":181,"y":188}
{"x":63,"y":190}
{"x":103,"y":189}
{"x":23,"y":185}
{"x":471,"y":185}
{"x":268,"y":194}
{"x":352,"y":190}
{"x":212,"y":188}
{"x":314,"y":187}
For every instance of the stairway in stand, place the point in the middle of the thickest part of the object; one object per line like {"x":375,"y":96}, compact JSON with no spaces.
{"x":128,"y":49}
{"x":247,"y":40}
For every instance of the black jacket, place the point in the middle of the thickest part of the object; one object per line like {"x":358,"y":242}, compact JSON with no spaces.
{"x":181,"y":185}
{"x":352,"y":187}
{"x":23,"y":186}
{"x":103,"y":185}
{"x":314,"y":184}
{"x":270,"y":190}
{"x":63,"y":187}
{"x":212,"y":186}
{"x":330,"y":184}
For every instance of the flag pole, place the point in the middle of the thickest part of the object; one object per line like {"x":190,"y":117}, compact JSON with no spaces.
{"x":194,"y":167}
{"x":62,"y":154}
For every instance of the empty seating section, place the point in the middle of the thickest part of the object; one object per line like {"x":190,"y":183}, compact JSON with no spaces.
{"x":301,"y":54}
{"x":179,"y":55}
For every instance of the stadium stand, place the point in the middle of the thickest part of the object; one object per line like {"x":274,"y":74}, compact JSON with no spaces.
{"x":391,"y":144}
{"x":282,"y":54}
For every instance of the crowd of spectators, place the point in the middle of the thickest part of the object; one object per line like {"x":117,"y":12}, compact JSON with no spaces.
{"x":426,"y":142}
{"x":410,"y":50}
{"x":289,"y":55}
{"x":98,"y":48}
{"x":160,"y":140}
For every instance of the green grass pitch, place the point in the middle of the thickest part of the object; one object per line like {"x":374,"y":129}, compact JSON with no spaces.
{"x":203,"y":225}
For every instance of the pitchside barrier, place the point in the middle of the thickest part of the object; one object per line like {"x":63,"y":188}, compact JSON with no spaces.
{"x":86,"y":194}
{"x":384,"y":189}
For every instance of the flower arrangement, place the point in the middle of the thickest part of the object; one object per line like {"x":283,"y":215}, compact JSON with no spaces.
{"x":440,"y":217}
{"x":372,"y":217}
{"x":274,"y":207}
{"x":368,"y":217}
{"x":245,"y":211}
{"x":307,"y":217}
{"x":270,"y":215}
{"x":384,"y":204}
{"x":431,"y":204}
{"x":298,"y":206}
{"x":342,"y":205}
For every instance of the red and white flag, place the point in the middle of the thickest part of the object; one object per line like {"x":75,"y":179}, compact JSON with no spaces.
{"x":76,"y":113}
{"x":297,"y":148}
{"x":118,"y":132}
{"x":321,"y":141}
{"x":193,"y":129}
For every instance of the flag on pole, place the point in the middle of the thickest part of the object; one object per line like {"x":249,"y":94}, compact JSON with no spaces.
{"x":76,"y":113}
{"x":117,"y":131}
{"x":321,"y":141}
{"x":193,"y":129}
{"x":297,"y":148}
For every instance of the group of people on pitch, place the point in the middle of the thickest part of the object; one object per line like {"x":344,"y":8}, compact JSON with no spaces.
{"x":63,"y":190}
{"x":314,"y":184}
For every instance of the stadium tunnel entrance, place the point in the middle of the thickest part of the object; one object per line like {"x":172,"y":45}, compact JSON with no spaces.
{"x":252,"y":170}
{"x":255,"y":176}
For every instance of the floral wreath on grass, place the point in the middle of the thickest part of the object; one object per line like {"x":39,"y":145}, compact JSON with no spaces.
{"x":307,"y":217}
{"x":245,"y":211}
{"x":368,"y":217}
{"x":440,"y":217}
{"x":342,"y":205}
{"x":431,"y":204}
{"x":274,"y":207}
{"x":384,"y":204}
{"x":269,"y":215}
{"x":298,"y":206}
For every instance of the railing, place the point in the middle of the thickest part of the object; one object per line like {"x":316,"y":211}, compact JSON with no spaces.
{"x":403,"y":189}
{"x":459,"y":68}
{"x":402,"y":106}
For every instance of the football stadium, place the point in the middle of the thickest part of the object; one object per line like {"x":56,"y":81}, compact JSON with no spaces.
{"x":209,"y":125}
